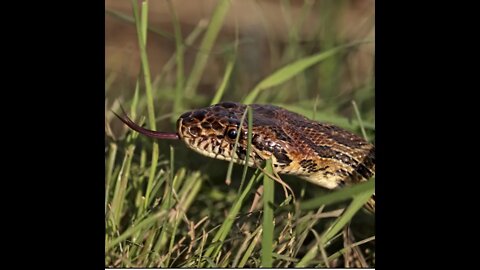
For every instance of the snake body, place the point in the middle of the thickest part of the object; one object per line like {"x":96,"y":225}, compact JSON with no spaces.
{"x":321,"y":153}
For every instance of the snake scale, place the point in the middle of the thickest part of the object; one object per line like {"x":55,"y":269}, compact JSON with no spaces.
{"x":321,"y":153}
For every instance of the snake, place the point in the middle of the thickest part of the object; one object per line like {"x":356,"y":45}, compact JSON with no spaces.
{"x":321,"y":153}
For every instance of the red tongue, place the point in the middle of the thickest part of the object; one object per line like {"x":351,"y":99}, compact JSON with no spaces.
{"x":144,"y":131}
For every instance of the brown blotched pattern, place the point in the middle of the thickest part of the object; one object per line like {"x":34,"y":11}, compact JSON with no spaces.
{"x":320,"y":153}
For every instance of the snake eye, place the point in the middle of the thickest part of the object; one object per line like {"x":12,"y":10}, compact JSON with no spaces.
{"x":232,"y":133}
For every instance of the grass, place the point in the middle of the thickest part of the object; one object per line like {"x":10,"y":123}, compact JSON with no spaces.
{"x":268,"y":226}
{"x":166,"y":206}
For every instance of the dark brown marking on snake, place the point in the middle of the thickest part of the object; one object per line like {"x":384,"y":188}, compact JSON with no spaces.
{"x":210,"y":119}
{"x":199,"y":115}
{"x":217,"y":126}
{"x":343,"y":137}
{"x":328,"y":152}
{"x":228,"y":105}
{"x":233,"y":122}
{"x":241,"y":152}
{"x":364,"y":171}
{"x":280,"y":134}
{"x":306,"y":163}
{"x":189,"y":120}
{"x":206,"y":125}
{"x":369,"y":160}
{"x":281,"y":155}
{"x":223,"y":121}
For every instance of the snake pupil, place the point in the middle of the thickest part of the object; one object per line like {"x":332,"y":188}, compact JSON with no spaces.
{"x":232,"y":134}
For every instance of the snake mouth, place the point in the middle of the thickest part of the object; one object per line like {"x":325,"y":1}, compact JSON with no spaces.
{"x":147,"y":132}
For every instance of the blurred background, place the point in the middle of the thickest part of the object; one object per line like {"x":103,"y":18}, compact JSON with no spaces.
{"x":255,"y":38}
{"x":263,"y":35}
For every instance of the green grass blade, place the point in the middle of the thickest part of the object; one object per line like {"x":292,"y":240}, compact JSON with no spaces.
{"x":121,"y":186}
{"x":142,"y":225}
{"x":172,"y":163}
{"x":179,"y":55}
{"x":124,"y":17}
{"x":206,"y":46}
{"x":359,"y":118}
{"x":358,"y":202}
{"x":167,"y":205}
{"x":189,"y":40}
{"x":172,"y":237}
{"x":225,"y":80}
{"x":343,"y":250}
{"x":193,"y":186}
{"x":338,"y":196}
{"x":234,"y":150}
{"x":268,"y":227}
{"x":139,"y":196}
{"x":112,"y":153}
{"x":211,"y":263}
{"x":148,"y":91}
{"x":222,"y":233}
{"x":250,"y":248}
{"x":133,"y":107}
{"x":249,"y":144}
{"x":287,"y":72}
{"x":144,"y":21}
{"x":246,"y":248}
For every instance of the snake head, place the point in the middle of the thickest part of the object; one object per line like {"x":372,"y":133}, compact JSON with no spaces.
{"x":212,"y":131}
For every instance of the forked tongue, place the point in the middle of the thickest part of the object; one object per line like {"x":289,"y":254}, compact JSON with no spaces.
{"x":147,"y":132}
